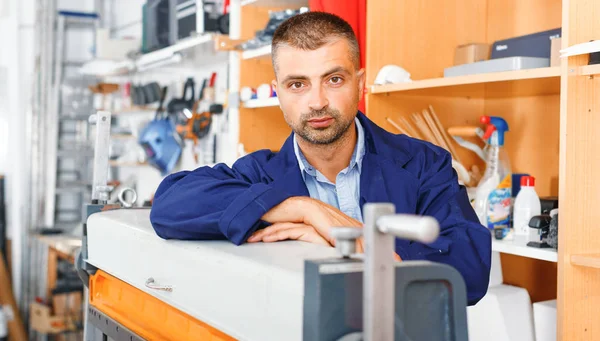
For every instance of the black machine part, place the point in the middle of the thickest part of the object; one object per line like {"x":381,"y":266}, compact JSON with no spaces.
{"x":541,"y":222}
{"x":430,"y":301}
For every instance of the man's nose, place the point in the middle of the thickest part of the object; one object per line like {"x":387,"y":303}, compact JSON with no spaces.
{"x":318,"y":98}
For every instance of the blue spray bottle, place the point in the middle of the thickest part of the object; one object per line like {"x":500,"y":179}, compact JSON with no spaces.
{"x":493,"y":195}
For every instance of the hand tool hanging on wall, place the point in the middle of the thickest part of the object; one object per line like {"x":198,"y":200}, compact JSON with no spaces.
{"x":200,"y":122}
{"x":181,"y":108}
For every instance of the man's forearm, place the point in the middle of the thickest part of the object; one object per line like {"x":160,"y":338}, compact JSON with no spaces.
{"x":291,"y":210}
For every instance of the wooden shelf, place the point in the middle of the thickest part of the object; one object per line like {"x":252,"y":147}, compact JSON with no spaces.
{"x":262,"y":103}
{"x":589,"y":70}
{"x":261,"y":52}
{"x":590,"y":261}
{"x":519,"y":247}
{"x":538,"y":75}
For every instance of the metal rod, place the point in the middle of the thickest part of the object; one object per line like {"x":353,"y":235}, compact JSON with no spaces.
{"x":101,"y":151}
{"x":378,"y":276}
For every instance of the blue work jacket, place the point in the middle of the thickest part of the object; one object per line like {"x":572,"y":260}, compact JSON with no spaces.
{"x":416,"y":176}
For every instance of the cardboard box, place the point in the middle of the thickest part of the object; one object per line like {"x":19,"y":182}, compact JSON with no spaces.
{"x":471,"y":53}
{"x":555,"y":52}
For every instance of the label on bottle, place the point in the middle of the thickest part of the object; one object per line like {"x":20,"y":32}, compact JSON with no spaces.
{"x":499,"y":203}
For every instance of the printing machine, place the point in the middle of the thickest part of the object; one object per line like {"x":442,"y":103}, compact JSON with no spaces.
{"x":141,"y":287}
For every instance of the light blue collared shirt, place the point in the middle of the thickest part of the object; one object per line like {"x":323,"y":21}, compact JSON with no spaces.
{"x":345,"y":193}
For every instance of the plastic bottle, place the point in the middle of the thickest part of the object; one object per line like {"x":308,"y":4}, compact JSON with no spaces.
{"x":493,"y":194}
{"x":527,"y":204}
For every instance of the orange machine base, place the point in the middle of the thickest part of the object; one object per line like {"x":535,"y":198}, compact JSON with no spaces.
{"x":145,"y":315}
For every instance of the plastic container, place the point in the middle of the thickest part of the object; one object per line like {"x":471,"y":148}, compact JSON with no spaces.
{"x":493,"y":194}
{"x":527,"y":204}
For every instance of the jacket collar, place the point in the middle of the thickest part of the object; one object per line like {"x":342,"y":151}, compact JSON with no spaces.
{"x":283,"y":168}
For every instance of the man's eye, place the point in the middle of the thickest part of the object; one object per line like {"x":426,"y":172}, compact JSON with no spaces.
{"x":335,"y":80}
{"x":296,"y":85}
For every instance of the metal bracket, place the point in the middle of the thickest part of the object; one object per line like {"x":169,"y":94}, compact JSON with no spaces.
{"x":110,"y":327}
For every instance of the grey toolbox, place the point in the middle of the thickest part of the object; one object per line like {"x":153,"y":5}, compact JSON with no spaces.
{"x":497,"y":65}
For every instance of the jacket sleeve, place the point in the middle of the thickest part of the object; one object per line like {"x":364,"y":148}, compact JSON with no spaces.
{"x":214,"y":203}
{"x":463,"y":243}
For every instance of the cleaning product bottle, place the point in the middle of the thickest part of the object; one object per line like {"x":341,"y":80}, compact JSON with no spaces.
{"x":527,"y":204}
{"x":493,"y":195}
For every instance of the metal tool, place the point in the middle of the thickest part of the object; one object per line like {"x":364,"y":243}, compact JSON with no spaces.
{"x":381,"y":228}
{"x":398,"y":298}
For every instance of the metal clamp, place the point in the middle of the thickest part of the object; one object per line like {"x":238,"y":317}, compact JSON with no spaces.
{"x":151,"y":284}
{"x":381,"y":228}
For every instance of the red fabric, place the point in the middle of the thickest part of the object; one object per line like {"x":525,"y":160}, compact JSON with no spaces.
{"x":355,"y":13}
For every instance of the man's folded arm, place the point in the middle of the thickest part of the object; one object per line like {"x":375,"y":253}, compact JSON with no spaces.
{"x":213,"y":203}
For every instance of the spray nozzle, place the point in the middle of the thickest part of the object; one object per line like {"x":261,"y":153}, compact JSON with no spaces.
{"x":497,"y":124}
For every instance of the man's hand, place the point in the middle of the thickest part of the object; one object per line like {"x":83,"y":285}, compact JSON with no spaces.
{"x":288,"y":231}
{"x":310,"y":212}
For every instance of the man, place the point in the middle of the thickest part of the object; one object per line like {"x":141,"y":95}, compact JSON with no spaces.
{"x":334,"y":162}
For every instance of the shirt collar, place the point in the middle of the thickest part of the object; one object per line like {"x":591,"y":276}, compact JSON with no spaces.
{"x":355,"y":161}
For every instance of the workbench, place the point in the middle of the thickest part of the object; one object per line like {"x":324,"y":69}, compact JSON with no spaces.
{"x":247,"y":292}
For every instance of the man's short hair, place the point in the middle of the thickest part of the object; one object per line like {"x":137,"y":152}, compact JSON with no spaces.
{"x":311,"y":30}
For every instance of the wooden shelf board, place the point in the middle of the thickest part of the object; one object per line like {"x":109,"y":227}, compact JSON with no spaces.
{"x":519,"y":247}
{"x":262,"y":103}
{"x":497,"y":78}
{"x":589,"y":70}
{"x":261,"y":52}
{"x":590,"y":261}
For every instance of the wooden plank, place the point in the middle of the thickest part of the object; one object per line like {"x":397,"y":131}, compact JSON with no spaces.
{"x":578,"y":302}
{"x":589,"y":70}
{"x":537,"y":276}
{"x":509,"y":76}
{"x":590,"y":261}
{"x":51,"y":269}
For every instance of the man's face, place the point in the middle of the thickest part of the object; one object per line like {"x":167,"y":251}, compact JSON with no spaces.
{"x":318,"y":90}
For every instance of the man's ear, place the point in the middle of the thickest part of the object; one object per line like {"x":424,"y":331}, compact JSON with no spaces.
{"x":274,"y":85}
{"x":362,"y":77}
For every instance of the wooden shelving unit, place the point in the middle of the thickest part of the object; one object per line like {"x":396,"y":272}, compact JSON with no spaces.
{"x":550,"y":112}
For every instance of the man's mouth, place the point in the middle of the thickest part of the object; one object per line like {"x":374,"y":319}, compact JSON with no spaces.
{"x":320,"y":122}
